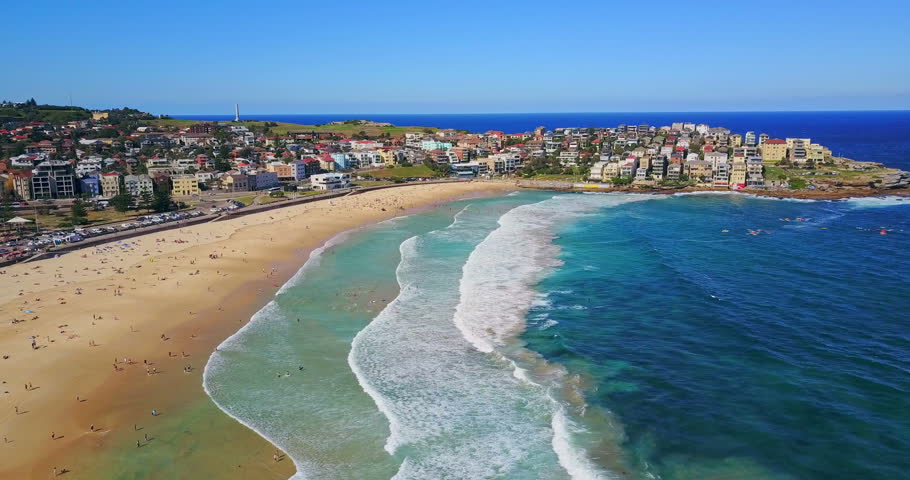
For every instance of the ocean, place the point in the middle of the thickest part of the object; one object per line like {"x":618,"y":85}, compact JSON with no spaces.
{"x":872,"y":136}
{"x":542,"y":335}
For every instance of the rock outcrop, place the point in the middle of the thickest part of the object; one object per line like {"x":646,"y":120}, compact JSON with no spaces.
{"x":899,"y":179}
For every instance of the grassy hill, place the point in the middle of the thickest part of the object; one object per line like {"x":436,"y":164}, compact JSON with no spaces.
{"x":44,"y":113}
{"x":402,"y":172}
{"x":282,"y":128}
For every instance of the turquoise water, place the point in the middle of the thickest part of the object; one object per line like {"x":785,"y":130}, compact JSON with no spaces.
{"x":557,"y":336}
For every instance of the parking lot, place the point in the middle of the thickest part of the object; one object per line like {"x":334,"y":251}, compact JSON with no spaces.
{"x":30,"y":245}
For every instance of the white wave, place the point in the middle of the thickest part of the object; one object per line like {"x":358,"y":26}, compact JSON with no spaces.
{"x":878,"y":202}
{"x":496,"y":290}
{"x":407,"y":248}
{"x":548,"y":323}
{"x":573,"y":459}
{"x":496,"y":280}
{"x":451,"y":412}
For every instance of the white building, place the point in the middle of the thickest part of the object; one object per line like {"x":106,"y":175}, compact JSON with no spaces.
{"x":330,"y":181}
{"x":88,"y":165}
{"x":137,"y":184}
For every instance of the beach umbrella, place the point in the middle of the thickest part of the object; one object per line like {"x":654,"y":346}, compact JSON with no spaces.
{"x":18,"y":222}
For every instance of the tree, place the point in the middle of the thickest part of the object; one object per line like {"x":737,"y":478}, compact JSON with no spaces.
{"x":145,"y":200}
{"x":78,"y":213}
{"x":121,"y":202}
{"x":162,"y":200}
{"x":222,"y":165}
{"x":621,"y":180}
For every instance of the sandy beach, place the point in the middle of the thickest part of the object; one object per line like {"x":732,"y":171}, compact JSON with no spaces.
{"x":103,"y":348}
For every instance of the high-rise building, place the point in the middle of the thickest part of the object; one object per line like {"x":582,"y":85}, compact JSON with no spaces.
{"x":236,"y":112}
{"x":53,"y":179}
{"x":749,"y":139}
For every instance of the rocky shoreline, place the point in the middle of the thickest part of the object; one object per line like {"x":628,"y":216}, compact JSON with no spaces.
{"x":900,"y":186}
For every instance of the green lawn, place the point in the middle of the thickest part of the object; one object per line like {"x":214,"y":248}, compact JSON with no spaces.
{"x":557,"y":177}
{"x":265,"y":200}
{"x":775,"y":173}
{"x":246,"y":200}
{"x":371,"y":183}
{"x":402,"y":172}
{"x":282,"y":128}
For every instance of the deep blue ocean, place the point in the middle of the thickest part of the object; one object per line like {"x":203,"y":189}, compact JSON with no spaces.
{"x":737,"y":337}
{"x":874,"y":136}
{"x":544,"y":335}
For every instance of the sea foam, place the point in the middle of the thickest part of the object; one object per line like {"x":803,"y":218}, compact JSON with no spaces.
{"x":497,"y":289}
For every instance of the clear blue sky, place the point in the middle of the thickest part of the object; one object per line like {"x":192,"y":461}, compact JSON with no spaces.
{"x":201,"y":56}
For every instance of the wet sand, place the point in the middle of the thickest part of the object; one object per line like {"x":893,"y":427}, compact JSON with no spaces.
{"x":123,"y":329}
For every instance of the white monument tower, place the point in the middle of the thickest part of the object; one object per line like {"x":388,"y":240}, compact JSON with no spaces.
{"x":236,"y":112}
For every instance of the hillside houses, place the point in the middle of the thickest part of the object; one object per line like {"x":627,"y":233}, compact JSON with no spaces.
{"x":102,"y":158}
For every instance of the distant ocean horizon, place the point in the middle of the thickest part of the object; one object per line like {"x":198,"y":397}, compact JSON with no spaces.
{"x":872,"y":136}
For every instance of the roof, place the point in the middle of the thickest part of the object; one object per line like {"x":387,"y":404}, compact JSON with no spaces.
{"x":776,"y":141}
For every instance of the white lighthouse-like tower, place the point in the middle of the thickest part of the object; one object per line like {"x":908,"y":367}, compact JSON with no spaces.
{"x":236,"y":112}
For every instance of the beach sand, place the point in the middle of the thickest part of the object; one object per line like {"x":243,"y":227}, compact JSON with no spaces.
{"x":126,"y":328}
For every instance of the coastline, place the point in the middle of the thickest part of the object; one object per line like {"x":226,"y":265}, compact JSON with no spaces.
{"x":839,"y":193}
{"x":121,"y":311}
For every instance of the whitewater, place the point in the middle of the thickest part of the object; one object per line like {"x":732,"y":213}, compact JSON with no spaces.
{"x":442,"y":361}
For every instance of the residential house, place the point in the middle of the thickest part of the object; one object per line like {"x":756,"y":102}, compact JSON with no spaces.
{"x":22,"y":184}
{"x":597,"y":171}
{"x":714,"y":158}
{"x":184,"y":185}
{"x":90,"y":184}
{"x":262,"y":180}
{"x":136,"y":185}
{"x":190,"y":139}
{"x":799,"y":150}
{"x":773,"y":151}
{"x":738,"y":172}
{"x":722,"y":175}
{"x":298,"y":169}
{"x":754,"y":169}
{"x":698,"y":170}
{"x":629,"y":167}
{"x":503,"y":163}
{"x":284,"y":171}
{"x":659,"y":165}
{"x":430,"y":145}
{"x":568,"y":158}
{"x":110,"y":184}
{"x":236,"y":182}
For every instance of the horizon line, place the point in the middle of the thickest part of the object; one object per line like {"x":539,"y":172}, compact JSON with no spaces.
{"x":551,"y":113}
